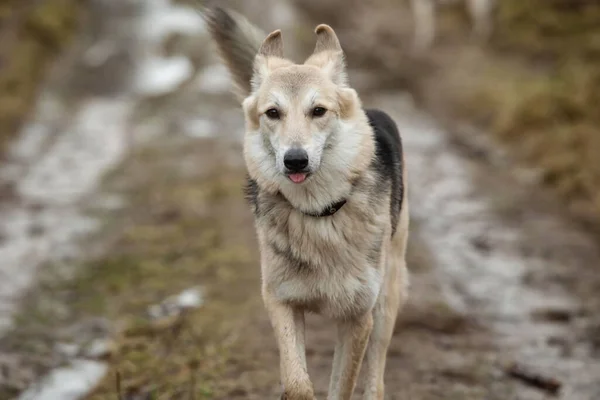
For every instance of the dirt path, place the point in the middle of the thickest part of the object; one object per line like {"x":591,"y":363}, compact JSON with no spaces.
{"x":499,"y":274}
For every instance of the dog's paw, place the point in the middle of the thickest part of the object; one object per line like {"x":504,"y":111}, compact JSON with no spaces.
{"x":286,"y":396}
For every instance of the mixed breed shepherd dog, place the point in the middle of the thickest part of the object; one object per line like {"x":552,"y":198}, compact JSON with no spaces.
{"x":327,"y":185}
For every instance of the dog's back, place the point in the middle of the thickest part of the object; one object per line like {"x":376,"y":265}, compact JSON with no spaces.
{"x":389,"y":158}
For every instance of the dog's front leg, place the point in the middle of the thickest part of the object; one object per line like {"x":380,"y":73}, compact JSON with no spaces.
{"x":352,"y":339}
{"x":288,"y":324}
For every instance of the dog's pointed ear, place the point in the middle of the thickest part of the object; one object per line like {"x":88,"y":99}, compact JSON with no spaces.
{"x":328,"y":55}
{"x":326,"y":39}
{"x":270,"y":55}
{"x":272,"y":46}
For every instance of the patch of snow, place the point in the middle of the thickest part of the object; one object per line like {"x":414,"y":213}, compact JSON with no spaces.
{"x":69,"y":350}
{"x":200,"y":128}
{"x":160,"y":76}
{"x":175,"y":305}
{"x":161,"y":18}
{"x":98,"y":348}
{"x":78,"y":159}
{"x":32,"y":140}
{"x":68,"y":383}
{"x":99,"y":53}
{"x":190,"y":298}
{"x":214,"y":79}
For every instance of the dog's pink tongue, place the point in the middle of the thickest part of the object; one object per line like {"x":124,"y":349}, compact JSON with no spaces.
{"x":297,"y":178}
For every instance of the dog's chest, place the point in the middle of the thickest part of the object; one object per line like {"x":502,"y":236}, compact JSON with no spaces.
{"x":338,"y":296}
{"x":328,"y":264}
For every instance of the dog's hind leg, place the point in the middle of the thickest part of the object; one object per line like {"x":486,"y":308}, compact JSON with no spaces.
{"x":352,"y":339}
{"x":385,"y":312}
{"x":288,"y":325}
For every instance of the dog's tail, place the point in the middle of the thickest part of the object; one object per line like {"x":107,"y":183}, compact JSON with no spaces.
{"x":238,"y":42}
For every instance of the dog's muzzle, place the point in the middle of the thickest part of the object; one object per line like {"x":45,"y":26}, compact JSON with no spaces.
{"x":295,"y":161}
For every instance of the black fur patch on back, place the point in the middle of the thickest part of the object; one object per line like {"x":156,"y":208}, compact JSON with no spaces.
{"x":388,"y":159}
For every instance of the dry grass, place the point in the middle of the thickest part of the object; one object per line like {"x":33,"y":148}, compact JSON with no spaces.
{"x":180,"y":233}
{"x":33,"y":33}
{"x":182,"y":229}
{"x":546,"y":105}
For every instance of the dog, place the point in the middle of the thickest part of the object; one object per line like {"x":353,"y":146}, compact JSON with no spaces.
{"x":480,"y":12}
{"x":327,"y":186}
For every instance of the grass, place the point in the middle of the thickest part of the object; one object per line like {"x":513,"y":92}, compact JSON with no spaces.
{"x":545,"y":106}
{"x":34,"y":33}
{"x":178,"y":232}
{"x":173,"y":244}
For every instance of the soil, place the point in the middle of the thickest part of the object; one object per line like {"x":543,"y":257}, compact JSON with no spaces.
{"x":500,"y":274}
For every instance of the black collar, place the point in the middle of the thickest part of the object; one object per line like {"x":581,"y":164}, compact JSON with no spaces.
{"x":327,"y":211}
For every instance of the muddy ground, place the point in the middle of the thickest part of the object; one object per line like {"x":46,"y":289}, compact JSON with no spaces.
{"x":500,"y":273}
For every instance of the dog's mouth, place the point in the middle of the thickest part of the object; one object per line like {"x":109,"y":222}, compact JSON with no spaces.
{"x":298,"y":177}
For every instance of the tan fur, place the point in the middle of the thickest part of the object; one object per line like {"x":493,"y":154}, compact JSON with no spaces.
{"x":348,"y":266}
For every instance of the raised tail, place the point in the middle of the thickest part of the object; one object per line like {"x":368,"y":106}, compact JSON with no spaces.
{"x":238,"y":42}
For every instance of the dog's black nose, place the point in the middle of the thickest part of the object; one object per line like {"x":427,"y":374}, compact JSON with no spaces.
{"x":295,"y":159}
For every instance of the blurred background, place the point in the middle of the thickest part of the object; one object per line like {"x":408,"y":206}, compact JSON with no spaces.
{"x":128,"y":260}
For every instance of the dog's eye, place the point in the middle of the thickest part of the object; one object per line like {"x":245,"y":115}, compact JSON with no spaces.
{"x":319,"y":111}
{"x":272,"y":113}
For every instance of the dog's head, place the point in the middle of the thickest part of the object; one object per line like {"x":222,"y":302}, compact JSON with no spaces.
{"x":293,"y":110}
{"x":304,"y":124}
